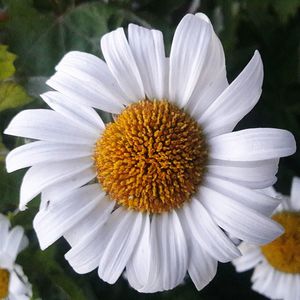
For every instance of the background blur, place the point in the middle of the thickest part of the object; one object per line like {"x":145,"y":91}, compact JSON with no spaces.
{"x":38,"y":33}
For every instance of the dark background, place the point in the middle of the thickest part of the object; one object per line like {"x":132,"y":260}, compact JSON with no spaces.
{"x":40,"y":32}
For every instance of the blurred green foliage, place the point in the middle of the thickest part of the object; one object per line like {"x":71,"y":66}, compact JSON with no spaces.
{"x":11,"y":94}
{"x":39,"y":32}
{"x":7,"y":59}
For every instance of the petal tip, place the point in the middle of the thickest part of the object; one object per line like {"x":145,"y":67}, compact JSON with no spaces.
{"x":203,"y":17}
{"x":22,"y":207}
{"x":293,"y":143}
{"x":9,"y":168}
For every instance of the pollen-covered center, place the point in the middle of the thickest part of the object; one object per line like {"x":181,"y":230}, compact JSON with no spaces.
{"x":152,"y":158}
{"x":4,"y":283}
{"x":284,"y":252}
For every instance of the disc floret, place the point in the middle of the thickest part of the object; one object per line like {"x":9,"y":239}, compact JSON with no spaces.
{"x":152,"y":158}
{"x":284,"y":252}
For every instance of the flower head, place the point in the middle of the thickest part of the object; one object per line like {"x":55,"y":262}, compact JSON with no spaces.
{"x":155,"y":191}
{"x":277,"y":264}
{"x":13,"y":283}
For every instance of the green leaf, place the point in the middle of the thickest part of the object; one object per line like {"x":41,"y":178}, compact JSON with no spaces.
{"x":12,"y":95}
{"x":41,"y":39}
{"x":55,"y":279}
{"x":286,"y":9}
{"x":7,"y":68}
{"x":3,"y":151}
{"x":9,"y":188}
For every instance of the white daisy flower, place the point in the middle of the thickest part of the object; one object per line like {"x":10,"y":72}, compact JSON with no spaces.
{"x":277,"y":264}
{"x":154,"y":191}
{"x":14,"y":284}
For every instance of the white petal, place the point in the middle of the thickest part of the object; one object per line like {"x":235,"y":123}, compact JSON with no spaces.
{"x":292,"y":288}
{"x":266,"y":280}
{"x":93,"y":70}
{"x":4,"y":227}
{"x":169,"y":253}
{"x":270,"y":191}
{"x":251,"y":256}
{"x":138,"y":266}
{"x":236,"y":101}
{"x":78,"y":232}
{"x":204,"y":95}
{"x":285,"y":203}
{"x":79,"y":114}
{"x":44,"y":152}
{"x":46,"y":124}
{"x":198,"y":223}
{"x":51,"y":223}
{"x":187,"y":58}
{"x":14,"y":241}
{"x":167,"y":77}
{"x":87,"y":80}
{"x":122,"y":65}
{"x":239,"y":220}
{"x":212,"y":78}
{"x":282,"y":286}
{"x":84,"y":93}
{"x":248,"y":197}
{"x":19,"y":286}
{"x":147,"y":47}
{"x":255,"y":174}
{"x":84,"y":256}
{"x":87,"y":239}
{"x":24,"y":243}
{"x":260,"y":270}
{"x":120,"y":236}
{"x":252,"y":144}
{"x":18,"y":297}
{"x":41,"y":176}
{"x":6,"y":261}
{"x":202,"y":267}
{"x":58,"y":190}
{"x":295,"y":194}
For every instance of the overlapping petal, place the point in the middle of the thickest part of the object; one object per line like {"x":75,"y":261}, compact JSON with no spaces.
{"x":251,"y":256}
{"x":212,"y":79}
{"x":253,"y":199}
{"x":255,"y":175}
{"x":86,"y":244}
{"x":120,"y":235}
{"x":47,"y":125}
{"x":86,"y":79}
{"x":252,"y":145}
{"x":138,"y":267}
{"x":53,"y":221}
{"x":199,"y":225}
{"x":147,"y":47}
{"x":79,"y":114}
{"x":42,"y":176}
{"x":239,"y":220}
{"x":121,"y":63}
{"x":169,"y":253}
{"x":202,"y":266}
{"x":188,"y":57}
{"x":235,"y":101}
{"x":44,"y":152}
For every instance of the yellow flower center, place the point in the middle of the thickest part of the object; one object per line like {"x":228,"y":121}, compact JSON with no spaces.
{"x":152,"y":158}
{"x":4,"y":282}
{"x":284,"y":252}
